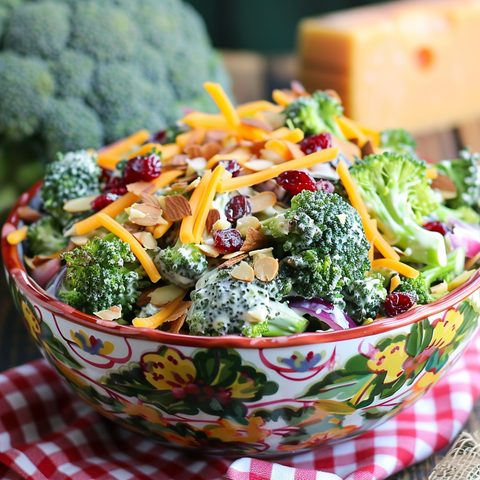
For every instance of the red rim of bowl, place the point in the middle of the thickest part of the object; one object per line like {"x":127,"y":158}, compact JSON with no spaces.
{"x":16,"y":269}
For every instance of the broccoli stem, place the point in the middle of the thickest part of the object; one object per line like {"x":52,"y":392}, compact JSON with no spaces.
{"x":455,"y":265}
{"x":287,"y":322}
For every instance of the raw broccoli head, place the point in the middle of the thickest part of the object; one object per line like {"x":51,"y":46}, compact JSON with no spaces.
{"x":417,"y":285}
{"x":73,"y":175}
{"x":223,"y":305}
{"x":364,"y":297}
{"x":399,"y":141}
{"x":181,"y":264}
{"x":45,"y":237}
{"x":101,"y":275}
{"x":397,"y":194}
{"x":326,"y":224}
{"x":465,"y":174}
{"x":315,"y":114}
{"x":131,"y":63}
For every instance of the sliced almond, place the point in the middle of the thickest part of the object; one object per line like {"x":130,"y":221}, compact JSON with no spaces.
{"x":212,"y":217}
{"x":193,"y":151}
{"x":233,"y":260}
{"x":257,"y":147}
{"x":243,"y":272}
{"x":198,"y":164}
{"x":254,"y":122}
{"x":145,"y":215}
{"x":144,"y":298}
{"x":110,"y":314}
{"x":367,"y":149}
{"x":79,"y":240}
{"x":445,"y":185}
{"x":177,"y":324}
{"x":163,"y":295}
{"x":177,"y":207}
{"x":209,"y":150}
{"x":221,"y":224}
{"x":140,"y":187}
{"x":267,"y":154}
{"x":244,"y":223}
{"x":146,"y":239}
{"x":266,"y":269}
{"x":334,"y":94}
{"x":148,"y":199}
{"x":192,"y":185}
{"x":215,"y":135}
{"x":208,"y":250}
{"x":29,"y":262}
{"x":28,"y":214}
{"x":298,"y":88}
{"x":258,"y":165}
{"x":180,"y":310}
{"x":254,"y":240}
{"x":262,"y":201}
{"x":178,"y":162}
{"x":228,"y":256}
{"x":77,"y":205}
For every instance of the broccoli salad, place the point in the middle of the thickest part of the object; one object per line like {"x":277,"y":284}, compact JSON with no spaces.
{"x":266,"y":219}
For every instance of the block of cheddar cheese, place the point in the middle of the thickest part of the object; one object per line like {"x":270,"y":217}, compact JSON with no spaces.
{"x":413,"y":64}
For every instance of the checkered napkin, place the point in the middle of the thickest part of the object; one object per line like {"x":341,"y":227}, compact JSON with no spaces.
{"x":47,"y":433}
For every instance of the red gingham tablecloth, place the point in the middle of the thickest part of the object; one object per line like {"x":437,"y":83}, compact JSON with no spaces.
{"x":47,"y":433}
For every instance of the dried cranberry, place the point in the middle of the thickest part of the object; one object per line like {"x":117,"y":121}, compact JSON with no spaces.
{"x":231,"y":166}
{"x":159,"y":137}
{"x":119,"y":190}
{"x":142,"y":169}
{"x":228,"y":240}
{"x":315,"y":143}
{"x":325,"y":186}
{"x":399,"y":302}
{"x":440,"y":227}
{"x":103,"y":200}
{"x":237,"y":207}
{"x":294,"y":181}
{"x":113,"y":183}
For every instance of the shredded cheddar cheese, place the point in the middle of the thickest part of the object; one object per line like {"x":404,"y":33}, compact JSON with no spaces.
{"x":223,"y":102}
{"x":113,"y":226}
{"x":251,"y":108}
{"x":19,"y":235}
{"x":206,"y":202}
{"x":126,"y":145}
{"x":351,"y":130}
{"x":282,"y":98}
{"x":281,"y":132}
{"x":432,"y":173}
{"x":160,"y":230}
{"x":186,"y":228}
{"x":371,"y":232}
{"x":206,"y":120}
{"x":119,"y":205}
{"x":252,"y":179}
{"x":294,"y":136}
{"x":394,"y":283}
{"x":401,"y":268}
{"x":241,"y":158}
{"x":279,"y":147}
{"x":159,"y":318}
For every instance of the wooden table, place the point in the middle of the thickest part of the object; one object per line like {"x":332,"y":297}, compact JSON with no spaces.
{"x":253,"y":77}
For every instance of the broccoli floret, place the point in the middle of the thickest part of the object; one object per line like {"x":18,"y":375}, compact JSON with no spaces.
{"x":224,"y":306}
{"x":101,"y":275}
{"x":465,"y":174}
{"x":182,"y":264}
{"x":398,"y":141}
{"x":73,"y":175}
{"x":430,"y":276}
{"x":45,"y":237}
{"x":364,"y":298}
{"x":26,"y":87}
{"x":463,"y":213}
{"x":73,"y":75}
{"x":326,"y":224}
{"x":315,"y":114}
{"x":315,"y":276}
{"x":396,"y":192}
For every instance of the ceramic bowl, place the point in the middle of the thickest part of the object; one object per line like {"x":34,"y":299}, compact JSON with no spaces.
{"x":239,"y":396}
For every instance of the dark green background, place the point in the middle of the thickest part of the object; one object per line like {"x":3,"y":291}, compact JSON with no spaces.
{"x":267,"y":26}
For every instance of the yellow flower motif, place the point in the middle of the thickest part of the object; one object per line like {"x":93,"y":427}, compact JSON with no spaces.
{"x":326,"y":408}
{"x":32,"y":321}
{"x":242,"y":387}
{"x":230,"y":431}
{"x":445,"y":328}
{"x":70,"y":375}
{"x":390,"y":361}
{"x":171,"y":369}
{"x":185,"y":441}
{"x":321,"y":438}
{"x":427,"y":380}
{"x":92,"y":345}
{"x":141,"y":410}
